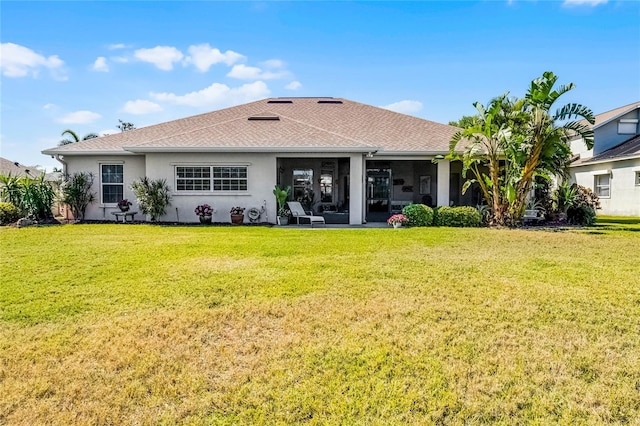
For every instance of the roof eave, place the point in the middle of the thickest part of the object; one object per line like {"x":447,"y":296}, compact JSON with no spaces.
{"x":85,"y":152}
{"x":142,"y":150}
{"x":616,"y":117}
{"x":607,"y":160}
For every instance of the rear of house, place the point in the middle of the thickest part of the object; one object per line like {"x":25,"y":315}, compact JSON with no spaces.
{"x":345,"y":160}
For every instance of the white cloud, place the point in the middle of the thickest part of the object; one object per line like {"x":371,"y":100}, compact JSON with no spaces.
{"x":273,"y":63}
{"x":583,"y":2}
{"x":20,"y":61}
{"x":116,"y":46}
{"x":202,"y":56}
{"x":162,"y":57}
{"x":120,"y":59}
{"x":404,"y":107}
{"x":217,"y":95}
{"x":294,"y":85}
{"x":79,"y":117}
{"x":49,"y":106}
{"x":244,"y":72}
{"x":140,"y":106}
{"x":101,"y":64}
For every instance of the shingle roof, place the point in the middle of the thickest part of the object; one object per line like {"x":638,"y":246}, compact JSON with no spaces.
{"x":17,"y":169}
{"x":605,"y":117}
{"x":626,"y":150}
{"x":322,"y":124}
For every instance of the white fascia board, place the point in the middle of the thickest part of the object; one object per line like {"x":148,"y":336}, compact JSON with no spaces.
{"x":606,"y":160}
{"x":234,"y":149}
{"x":70,"y":153}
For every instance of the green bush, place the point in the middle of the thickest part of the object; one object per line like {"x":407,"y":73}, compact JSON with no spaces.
{"x":581,"y":215}
{"x":457,"y":217}
{"x":153,"y":196}
{"x":418,"y":214}
{"x":9,"y":213}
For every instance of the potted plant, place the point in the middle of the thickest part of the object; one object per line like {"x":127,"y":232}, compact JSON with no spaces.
{"x":204,"y":211}
{"x":124,"y":205}
{"x":397,"y":220}
{"x":237,"y":215}
{"x":281,"y":199}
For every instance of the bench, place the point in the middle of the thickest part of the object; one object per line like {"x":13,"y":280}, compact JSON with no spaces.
{"x":124,"y":216}
{"x":532,"y":216}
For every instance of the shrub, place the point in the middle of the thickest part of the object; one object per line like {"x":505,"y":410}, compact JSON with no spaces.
{"x":153,"y":196}
{"x":458,"y":216}
{"x":32,"y":196}
{"x":9,"y":213}
{"x":583,"y":209}
{"x":418,"y":214}
{"x":76,"y":192}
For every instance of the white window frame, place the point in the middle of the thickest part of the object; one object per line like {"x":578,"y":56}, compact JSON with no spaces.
{"x":223,"y":178}
{"x":627,"y":126}
{"x":598,"y":187}
{"x":638,"y":178}
{"x":103,"y":183}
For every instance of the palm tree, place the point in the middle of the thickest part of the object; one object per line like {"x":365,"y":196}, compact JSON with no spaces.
{"x":546,"y":145}
{"x":74,"y":137}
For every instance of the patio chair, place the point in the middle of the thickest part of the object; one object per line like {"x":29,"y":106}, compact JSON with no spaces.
{"x":298,"y":213}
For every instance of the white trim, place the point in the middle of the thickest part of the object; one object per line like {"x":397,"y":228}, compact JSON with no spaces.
{"x":629,"y":120}
{"x":351,"y":149}
{"x":600,"y":172}
{"x":100,"y":184}
{"x":211,"y":191}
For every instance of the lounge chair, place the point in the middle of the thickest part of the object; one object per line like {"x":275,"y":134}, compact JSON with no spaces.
{"x":298,"y":213}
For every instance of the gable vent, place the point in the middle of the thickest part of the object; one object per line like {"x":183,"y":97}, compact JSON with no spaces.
{"x":331,"y":101}
{"x":264,"y":118}
{"x":280,"y":101}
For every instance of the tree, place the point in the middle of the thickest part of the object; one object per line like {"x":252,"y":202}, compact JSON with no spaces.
{"x":546,"y":145}
{"x":517,"y":141}
{"x":76,"y":192}
{"x":488,"y":141}
{"x":74,"y":137}
{"x":153,"y":196}
{"x":125,"y":126}
{"x":465,"y":122}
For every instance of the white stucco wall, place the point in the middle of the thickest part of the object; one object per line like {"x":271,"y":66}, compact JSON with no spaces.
{"x":133,"y":168}
{"x":261,"y":178}
{"x":625,"y":194}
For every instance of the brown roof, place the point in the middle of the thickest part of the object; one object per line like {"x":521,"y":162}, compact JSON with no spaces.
{"x":304,"y":124}
{"x":626,"y":150}
{"x":17,"y":169}
{"x":605,"y":117}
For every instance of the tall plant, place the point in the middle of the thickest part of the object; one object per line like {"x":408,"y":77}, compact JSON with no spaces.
{"x":33,"y":196}
{"x":75,"y":191}
{"x":153,"y":196}
{"x":281,"y":198}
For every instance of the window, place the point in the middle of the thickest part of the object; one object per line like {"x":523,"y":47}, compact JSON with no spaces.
{"x":112,"y":181}
{"x":637,"y":178}
{"x":211,"y":178}
{"x":603,"y":185}
{"x":193,"y":178}
{"x":326,"y":186}
{"x":303,"y":184}
{"x":627,"y":126}
{"x":229,"y":178}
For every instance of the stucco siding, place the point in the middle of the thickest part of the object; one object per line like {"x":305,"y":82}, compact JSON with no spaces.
{"x":625,"y":194}
{"x":607,"y":136}
{"x":261,"y":178}
{"x":133,"y":168}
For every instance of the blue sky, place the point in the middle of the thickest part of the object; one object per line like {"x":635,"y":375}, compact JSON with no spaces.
{"x":84,"y":65}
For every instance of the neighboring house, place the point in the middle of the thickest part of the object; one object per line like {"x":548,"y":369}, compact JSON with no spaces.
{"x":357,"y":162}
{"x":612,"y":167}
{"x":13,"y":168}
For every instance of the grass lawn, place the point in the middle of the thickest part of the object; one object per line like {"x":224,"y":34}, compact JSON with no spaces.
{"x":138,"y":324}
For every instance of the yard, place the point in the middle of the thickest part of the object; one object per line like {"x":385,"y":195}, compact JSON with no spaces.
{"x":140,"y":324}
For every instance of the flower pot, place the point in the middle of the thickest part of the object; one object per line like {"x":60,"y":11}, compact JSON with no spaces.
{"x":237,"y":219}
{"x":206,"y":219}
{"x":397,"y":224}
{"x":124,"y":208}
{"x":283,"y":220}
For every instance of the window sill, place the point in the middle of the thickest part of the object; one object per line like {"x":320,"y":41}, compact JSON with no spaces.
{"x":209,"y":193}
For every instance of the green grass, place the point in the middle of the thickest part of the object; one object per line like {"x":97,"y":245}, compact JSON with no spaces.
{"x":138,"y":324}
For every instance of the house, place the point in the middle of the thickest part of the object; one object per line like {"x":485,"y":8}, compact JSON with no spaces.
{"x":612,"y":168}
{"x":13,"y":168}
{"x":350,"y":161}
